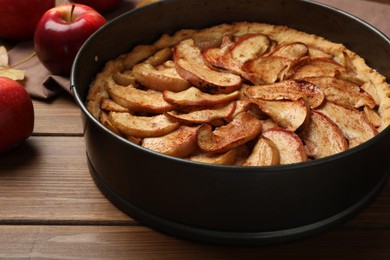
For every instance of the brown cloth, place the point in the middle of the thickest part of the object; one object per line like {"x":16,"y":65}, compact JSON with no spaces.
{"x":43,"y":85}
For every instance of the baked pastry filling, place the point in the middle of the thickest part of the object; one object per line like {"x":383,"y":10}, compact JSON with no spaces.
{"x":246,"y":94}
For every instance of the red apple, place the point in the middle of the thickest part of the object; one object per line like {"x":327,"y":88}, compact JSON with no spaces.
{"x":18,"y":18}
{"x":102,"y":6}
{"x":16,"y":114}
{"x":61,"y":32}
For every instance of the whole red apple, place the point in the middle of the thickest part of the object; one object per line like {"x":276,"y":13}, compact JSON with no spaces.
{"x":18,"y":18}
{"x":102,"y":6}
{"x":16,"y":114}
{"x":61,"y":32}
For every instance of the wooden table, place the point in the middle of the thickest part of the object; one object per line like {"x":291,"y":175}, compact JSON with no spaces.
{"x":50,"y":208}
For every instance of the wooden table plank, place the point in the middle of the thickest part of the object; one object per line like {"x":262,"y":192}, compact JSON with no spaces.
{"x":137,"y":242}
{"x":40,"y":182}
{"x":58,"y":116}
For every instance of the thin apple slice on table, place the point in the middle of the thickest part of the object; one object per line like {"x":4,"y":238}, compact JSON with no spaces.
{"x":343,"y":92}
{"x":353,"y":123}
{"x":243,"y":128}
{"x":289,"y":145}
{"x":138,"y":100}
{"x":205,"y":116}
{"x":159,"y":79}
{"x":191,"y":67}
{"x":291,"y":115}
{"x":264,"y":153}
{"x":178,"y":143}
{"x":322,"y":137}
{"x":194,"y":97}
{"x":227,"y":158}
{"x":288,"y":90}
{"x":142,"y":126}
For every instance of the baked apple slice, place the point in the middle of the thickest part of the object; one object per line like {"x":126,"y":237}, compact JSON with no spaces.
{"x":291,"y":115}
{"x":241,"y":129}
{"x":228,"y":158}
{"x":108,"y":104}
{"x":205,"y":116}
{"x":232,"y":55}
{"x":288,"y":90}
{"x":191,"y":67}
{"x":289,"y":145}
{"x":319,"y":67}
{"x":142,"y":126}
{"x":194,"y":97}
{"x":267,"y":70}
{"x":160,"y":80}
{"x":264,"y":153}
{"x":353,"y":123}
{"x":294,"y":50}
{"x":343,"y":92}
{"x":322,"y":137}
{"x":372,"y":117}
{"x":179,"y":143}
{"x":138,"y":100}
{"x":104,"y":119}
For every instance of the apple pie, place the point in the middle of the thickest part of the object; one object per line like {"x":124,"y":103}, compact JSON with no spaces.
{"x":246,"y":94}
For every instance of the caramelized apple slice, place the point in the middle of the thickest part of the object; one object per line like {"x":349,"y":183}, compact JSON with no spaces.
{"x":319,"y":67}
{"x":179,"y":143}
{"x":249,"y":47}
{"x":264,"y":153}
{"x":159,"y":57}
{"x":195,"y":97}
{"x":267,"y":70}
{"x":110,"y":105}
{"x":142,"y":126}
{"x":291,"y":115}
{"x":322,"y":137}
{"x":228,"y":158}
{"x":104,"y":119}
{"x":242,"y":105}
{"x":191,"y":67}
{"x":160,"y":80}
{"x":242,"y":128}
{"x":205,"y":116}
{"x":290,"y":90}
{"x":343,"y":92}
{"x":294,"y":51}
{"x":353,"y":123}
{"x":289,"y":145}
{"x":124,"y":78}
{"x":231,"y":56}
{"x":138,"y":100}
{"x":372,"y":117}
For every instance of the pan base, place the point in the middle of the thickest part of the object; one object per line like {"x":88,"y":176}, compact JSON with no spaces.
{"x":230,"y":238}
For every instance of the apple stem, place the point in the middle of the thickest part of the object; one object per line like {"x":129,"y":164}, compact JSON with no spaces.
{"x":70,"y":17}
